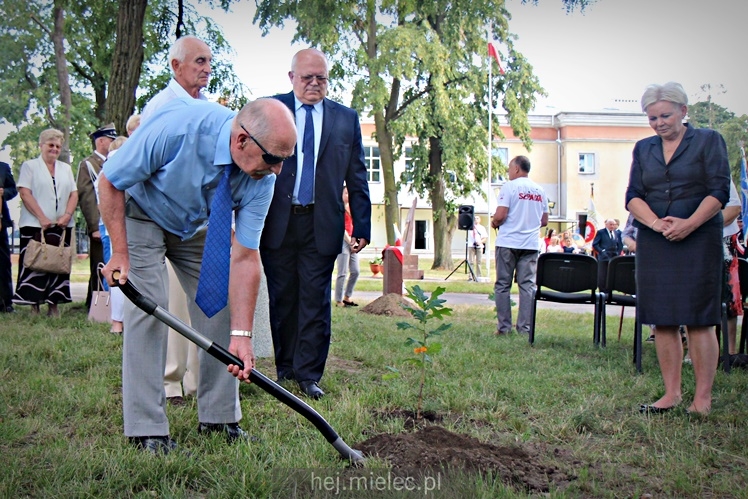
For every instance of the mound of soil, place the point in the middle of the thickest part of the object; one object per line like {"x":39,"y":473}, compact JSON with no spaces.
{"x":435,"y":448}
{"x":389,"y":305}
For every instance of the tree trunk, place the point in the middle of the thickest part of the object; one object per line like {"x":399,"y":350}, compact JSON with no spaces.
{"x":58,"y":39}
{"x":127,"y":61}
{"x":391,"y":204}
{"x":444,"y":220}
{"x":384,"y":136}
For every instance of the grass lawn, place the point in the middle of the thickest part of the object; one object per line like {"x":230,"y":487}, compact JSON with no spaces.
{"x":61,"y":414}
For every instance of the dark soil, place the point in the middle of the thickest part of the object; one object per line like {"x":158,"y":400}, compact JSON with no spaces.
{"x":528,"y":468}
{"x":390,"y":305}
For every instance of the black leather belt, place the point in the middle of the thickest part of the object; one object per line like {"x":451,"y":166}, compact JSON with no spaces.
{"x":297,"y":209}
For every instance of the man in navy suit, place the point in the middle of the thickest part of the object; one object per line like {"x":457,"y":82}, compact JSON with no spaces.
{"x":305,"y":222}
{"x":7,"y":192}
{"x":608,"y":244}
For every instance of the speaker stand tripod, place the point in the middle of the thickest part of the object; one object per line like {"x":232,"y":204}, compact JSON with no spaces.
{"x":468,"y":267}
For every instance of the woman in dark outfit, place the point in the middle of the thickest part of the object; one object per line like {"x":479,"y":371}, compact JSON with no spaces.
{"x":679,"y":182}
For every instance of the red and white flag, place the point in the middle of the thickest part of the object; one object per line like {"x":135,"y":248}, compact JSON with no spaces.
{"x":493,"y":51}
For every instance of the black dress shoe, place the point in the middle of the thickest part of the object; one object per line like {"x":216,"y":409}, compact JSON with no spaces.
{"x":154,"y":445}
{"x":650,"y":409}
{"x":232,"y":430}
{"x":311,"y":389}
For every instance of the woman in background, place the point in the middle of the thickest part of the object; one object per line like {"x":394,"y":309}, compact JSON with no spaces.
{"x":117,"y":298}
{"x":49,"y":194}
{"x":347,"y":262}
{"x":679,"y":182}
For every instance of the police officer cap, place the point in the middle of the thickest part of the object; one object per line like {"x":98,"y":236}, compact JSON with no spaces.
{"x":105,"y":131}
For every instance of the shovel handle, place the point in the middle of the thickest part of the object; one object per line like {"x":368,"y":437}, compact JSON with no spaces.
{"x":217,"y":351}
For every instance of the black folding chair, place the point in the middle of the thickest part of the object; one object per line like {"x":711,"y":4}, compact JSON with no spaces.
{"x":567,"y":278}
{"x":621,"y":284}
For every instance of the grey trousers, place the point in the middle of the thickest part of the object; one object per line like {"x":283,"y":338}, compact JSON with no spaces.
{"x":144,"y":341}
{"x":526,"y":264}
{"x":475,"y":255}
{"x":346,"y":261}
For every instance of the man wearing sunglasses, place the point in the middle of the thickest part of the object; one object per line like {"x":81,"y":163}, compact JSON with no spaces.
{"x":171,"y":169}
{"x":305,"y":223}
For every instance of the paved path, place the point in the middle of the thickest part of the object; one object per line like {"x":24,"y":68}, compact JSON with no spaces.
{"x":78,"y":291}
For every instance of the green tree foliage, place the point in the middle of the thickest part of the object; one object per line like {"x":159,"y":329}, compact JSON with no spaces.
{"x":734,"y":129}
{"x":30,"y":100}
{"x":707,"y":114}
{"x":735,"y":133}
{"x":420,"y":69}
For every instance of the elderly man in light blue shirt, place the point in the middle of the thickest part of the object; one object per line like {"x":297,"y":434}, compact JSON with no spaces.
{"x":189,"y":59}
{"x":170,"y":168}
{"x":190,"y":62}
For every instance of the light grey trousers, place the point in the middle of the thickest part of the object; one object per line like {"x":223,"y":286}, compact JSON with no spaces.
{"x":144,"y":340}
{"x":346,"y":262}
{"x":525,"y":262}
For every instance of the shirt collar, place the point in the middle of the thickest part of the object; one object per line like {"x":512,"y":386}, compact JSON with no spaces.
{"x":179,"y":90}
{"x":99,"y":155}
{"x":223,"y":145}
{"x":318,"y":106}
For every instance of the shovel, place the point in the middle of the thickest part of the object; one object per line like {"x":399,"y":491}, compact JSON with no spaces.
{"x":255,"y":376}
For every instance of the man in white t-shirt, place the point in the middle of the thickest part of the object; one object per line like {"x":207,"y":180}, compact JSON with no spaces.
{"x":477,"y":237}
{"x":522,"y":209}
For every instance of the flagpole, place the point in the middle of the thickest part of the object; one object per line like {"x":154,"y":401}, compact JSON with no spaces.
{"x":489,"y":251}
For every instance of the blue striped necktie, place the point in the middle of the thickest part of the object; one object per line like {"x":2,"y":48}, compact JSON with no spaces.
{"x":306,"y":184}
{"x":213,"y":287}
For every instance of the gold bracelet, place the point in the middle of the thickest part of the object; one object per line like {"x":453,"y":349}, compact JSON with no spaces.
{"x":241,"y":332}
{"x":654,"y":223}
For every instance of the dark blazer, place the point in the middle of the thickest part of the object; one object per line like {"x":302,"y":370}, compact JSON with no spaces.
{"x":670,"y":189}
{"x":9,"y":192}
{"x":607,"y":248}
{"x":340,"y":158}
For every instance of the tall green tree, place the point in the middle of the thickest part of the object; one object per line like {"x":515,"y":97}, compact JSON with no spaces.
{"x":707,"y":114}
{"x":33,"y":98}
{"x":418,"y":68}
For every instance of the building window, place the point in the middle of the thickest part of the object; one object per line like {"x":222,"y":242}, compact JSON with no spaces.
{"x":373,"y":165}
{"x":499,"y":163}
{"x":409,"y":166}
{"x":586,"y":163}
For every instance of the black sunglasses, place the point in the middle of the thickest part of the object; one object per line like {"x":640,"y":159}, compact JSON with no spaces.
{"x":268,"y":158}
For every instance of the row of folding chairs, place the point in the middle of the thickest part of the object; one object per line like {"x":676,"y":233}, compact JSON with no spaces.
{"x":572,"y":278}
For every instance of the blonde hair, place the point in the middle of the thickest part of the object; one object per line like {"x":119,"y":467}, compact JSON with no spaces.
{"x":117,"y":143}
{"x":50,"y":134}
{"x":669,"y":92}
{"x":133,"y":122}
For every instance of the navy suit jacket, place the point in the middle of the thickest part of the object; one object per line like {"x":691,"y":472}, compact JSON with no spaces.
{"x":606,"y":247}
{"x":340,"y":159}
{"x":9,"y":192}
{"x":698,"y":168}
